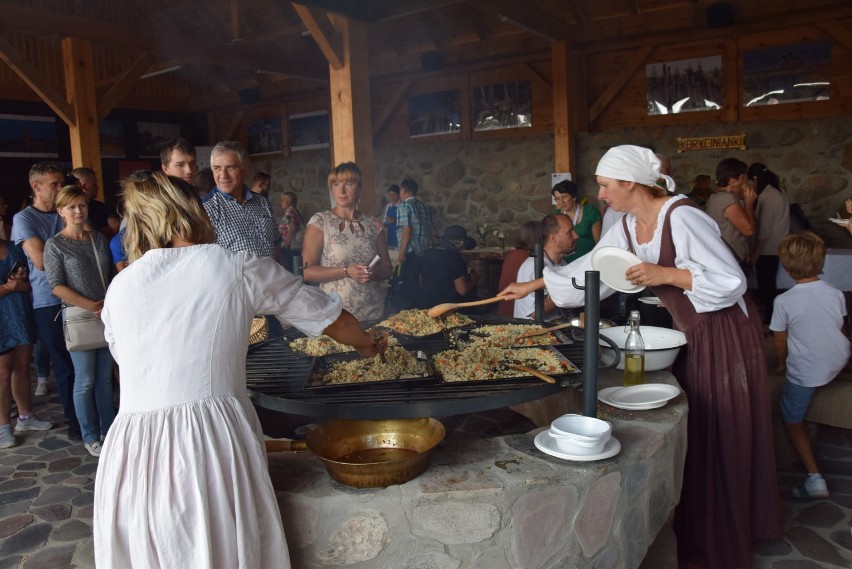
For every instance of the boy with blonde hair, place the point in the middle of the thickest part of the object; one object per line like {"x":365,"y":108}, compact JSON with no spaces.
{"x":810,"y":343}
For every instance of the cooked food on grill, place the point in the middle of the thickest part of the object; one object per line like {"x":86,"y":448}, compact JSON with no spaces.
{"x":399,"y":364}
{"x":323,"y":345}
{"x":490,"y":362}
{"x":418,"y":323}
{"x":501,"y":335}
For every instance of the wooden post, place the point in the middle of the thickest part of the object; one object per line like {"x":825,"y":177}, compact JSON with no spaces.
{"x":350,"y":114}
{"x":80,"y":90}
{"x":562,"y":133}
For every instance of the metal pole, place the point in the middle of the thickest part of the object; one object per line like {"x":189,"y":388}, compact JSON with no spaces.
{"x":539,"y":271}
{"x":591,"y":340}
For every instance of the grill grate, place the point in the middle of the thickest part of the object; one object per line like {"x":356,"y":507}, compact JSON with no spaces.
{"x":276,"y":377}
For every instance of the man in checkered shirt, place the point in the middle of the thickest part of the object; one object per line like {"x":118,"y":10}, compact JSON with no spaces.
{"x":413,"y":222}
{"x":243,"y":220}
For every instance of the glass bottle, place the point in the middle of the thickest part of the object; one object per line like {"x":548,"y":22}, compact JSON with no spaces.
{"x":634,"y":353}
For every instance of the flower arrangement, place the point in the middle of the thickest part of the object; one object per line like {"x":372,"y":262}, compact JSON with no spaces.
{"x":501,"y":238}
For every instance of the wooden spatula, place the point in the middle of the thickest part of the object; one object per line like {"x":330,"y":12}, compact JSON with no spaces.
{"x":533,"y":372}
{"x":441,"y":309}
{"x":544,"y":331}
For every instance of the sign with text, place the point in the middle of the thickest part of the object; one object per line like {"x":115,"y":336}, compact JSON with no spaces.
{"x":711,"y":143}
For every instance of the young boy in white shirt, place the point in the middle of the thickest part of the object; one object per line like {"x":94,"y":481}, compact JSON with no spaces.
{"x":810,"y":342}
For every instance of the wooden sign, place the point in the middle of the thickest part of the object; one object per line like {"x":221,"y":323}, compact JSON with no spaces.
{"x":711,"y":143}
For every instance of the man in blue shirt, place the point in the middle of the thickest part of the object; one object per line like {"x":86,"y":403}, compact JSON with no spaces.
{"x":243,"y":220}
{"x":31,"y":228}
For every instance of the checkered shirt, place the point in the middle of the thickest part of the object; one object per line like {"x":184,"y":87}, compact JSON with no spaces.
{"x":249,"y":226}
{"x":414,"y":213}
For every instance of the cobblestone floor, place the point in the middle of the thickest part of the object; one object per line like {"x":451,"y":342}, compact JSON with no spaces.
{"x":47,"y":486}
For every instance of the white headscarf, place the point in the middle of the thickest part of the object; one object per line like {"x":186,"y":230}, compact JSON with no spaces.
{"x":634,"y":164}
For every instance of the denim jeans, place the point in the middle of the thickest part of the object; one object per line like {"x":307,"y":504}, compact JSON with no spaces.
{"x":93,"y":389}
{"x":51,"y":334}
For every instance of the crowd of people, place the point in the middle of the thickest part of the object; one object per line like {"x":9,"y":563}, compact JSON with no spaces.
{"x":215,"y":230}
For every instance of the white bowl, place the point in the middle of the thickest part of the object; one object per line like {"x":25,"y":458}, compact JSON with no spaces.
{"x":577,"y":434}
{"x":661,"y":345}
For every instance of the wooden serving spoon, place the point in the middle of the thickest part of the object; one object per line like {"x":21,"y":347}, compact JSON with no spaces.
{"x":534,"y":372}
{"x":441,"y":309}
{"x":544,"y":331}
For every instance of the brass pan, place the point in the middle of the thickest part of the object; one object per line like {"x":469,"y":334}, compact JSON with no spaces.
{"x":370,"y":453}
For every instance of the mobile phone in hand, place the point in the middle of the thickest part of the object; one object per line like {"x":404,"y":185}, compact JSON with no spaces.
{"x":15,"y":268}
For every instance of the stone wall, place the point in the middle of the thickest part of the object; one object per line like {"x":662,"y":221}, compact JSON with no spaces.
{"x":505,"y":182}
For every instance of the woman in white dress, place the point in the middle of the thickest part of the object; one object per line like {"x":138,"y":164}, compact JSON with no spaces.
{"x":340,"y":243}
{"x":183,"y":481}
{"x":729,"y":496}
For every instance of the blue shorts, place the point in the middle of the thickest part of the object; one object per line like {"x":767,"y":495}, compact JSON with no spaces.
{"x":795,"y":400}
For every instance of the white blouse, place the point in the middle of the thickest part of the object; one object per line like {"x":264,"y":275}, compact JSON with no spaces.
{"x":717,"y":280}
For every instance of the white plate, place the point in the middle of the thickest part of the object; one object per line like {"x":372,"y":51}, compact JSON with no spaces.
{"x":547,"y":444}
{"x":839,"y":221}
{"x":612,"y":263}
{"x":645,"y":394}
{"x":650,"y":300}
{"x":603,"y":397}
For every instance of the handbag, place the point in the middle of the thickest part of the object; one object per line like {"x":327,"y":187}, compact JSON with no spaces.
{"x":84,"y":330}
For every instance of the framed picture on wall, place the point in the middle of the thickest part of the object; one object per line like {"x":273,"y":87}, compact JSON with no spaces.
{"x":434,"y":114}
{"x":787,"y":74}
{"x":264,"y":137}
{"x":502,"y":105}
{"x":152,"y":135}
{"x":684,"y":86}
{"x":24,"y":136}
{"x":112,"y":139}
{"x":309,"y":131}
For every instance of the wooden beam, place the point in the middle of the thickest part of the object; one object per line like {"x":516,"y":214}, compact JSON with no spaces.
{"x":323,"y":32}
{"x":80,"y":88}
{"x":37,"y":82}
{"x":237,"y":20}
{"x":526,"y":17}
{"x":539,"y":78}
{"x":385,"y":114}
{"x":837,"y":31}
{"x":433,"y":29}
{"x":238,"y":121}
{"x":636,"y":60}
{"x":124,"y":85}
{"x":350,"y":115}
{"x":563,"y":136}
{"x":731,"y":81}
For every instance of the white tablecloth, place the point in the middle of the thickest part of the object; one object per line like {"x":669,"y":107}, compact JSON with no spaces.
{"x":837,"y":271}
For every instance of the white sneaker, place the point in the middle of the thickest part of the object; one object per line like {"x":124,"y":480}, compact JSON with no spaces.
{"x":33,"y":423}
{"x":41,"y":388}
{"x":94,"y":448}
{"x":813,"y":487}
{"x":7,"y":439}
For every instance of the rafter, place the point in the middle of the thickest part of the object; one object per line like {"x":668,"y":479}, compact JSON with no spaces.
{"x":124,"y":85}
{"x":37,"y":82}
{"x":639,"y":57}
{"x":524,"y":16}
{"x":323,"y":32}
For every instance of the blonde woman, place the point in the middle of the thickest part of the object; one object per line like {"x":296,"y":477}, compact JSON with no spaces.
{"x":184,"y":480}
{"x":79,"y":269}
{"x":340,"y":243}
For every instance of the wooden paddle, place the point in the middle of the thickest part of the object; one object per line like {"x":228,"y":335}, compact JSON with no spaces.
{"x":441,"y":309}
{"x":534,"y":372}
{"x":544,"y":331}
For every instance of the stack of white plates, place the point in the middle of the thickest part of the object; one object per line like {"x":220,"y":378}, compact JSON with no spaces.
{"x":653,"y":300}
{"x":639,"y":397}
{"x":575,"y":437}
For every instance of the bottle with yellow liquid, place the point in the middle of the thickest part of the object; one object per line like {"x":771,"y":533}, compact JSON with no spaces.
{"x":634,"y":353}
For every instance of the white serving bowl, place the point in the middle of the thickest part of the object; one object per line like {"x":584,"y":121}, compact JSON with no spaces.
{"x":577,"y":434}
{"x":661,"y":345}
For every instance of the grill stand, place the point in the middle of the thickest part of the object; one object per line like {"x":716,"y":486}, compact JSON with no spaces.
{"x":591,"y":339}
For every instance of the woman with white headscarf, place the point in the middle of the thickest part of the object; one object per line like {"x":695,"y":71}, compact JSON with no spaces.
{"x":730,"y":495}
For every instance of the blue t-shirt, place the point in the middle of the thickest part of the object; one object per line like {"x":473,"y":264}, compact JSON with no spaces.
{"x":28,"y":223}
{"x":16,"y":311}
{"x":116,"y":247}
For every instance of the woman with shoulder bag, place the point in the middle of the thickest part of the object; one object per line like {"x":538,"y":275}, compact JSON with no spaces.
{"x":79,"y":267}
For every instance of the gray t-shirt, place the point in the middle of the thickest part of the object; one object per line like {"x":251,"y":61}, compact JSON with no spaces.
{"x":72,"y":263}
{"x":773,"y":219}
{"x":716,"y":206}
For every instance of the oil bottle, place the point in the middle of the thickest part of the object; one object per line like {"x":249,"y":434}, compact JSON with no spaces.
{"x":634,"y":352}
